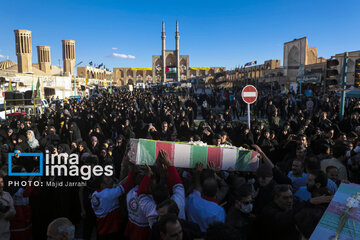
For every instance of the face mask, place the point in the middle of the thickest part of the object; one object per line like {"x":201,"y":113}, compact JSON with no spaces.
{"x":246,"y":208}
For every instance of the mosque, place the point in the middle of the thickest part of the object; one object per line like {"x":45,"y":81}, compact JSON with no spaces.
{"x":167,"y":67}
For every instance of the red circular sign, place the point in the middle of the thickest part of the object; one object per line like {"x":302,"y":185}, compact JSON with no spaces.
{"x":249,"y":94}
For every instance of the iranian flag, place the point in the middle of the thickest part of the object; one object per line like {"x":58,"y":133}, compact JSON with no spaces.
{"x":185,"y":155}
{"x":171,"y":69}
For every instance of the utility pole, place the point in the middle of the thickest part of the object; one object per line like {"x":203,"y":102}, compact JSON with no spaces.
{"x":75,"y":77}
{"x":343,"y":93}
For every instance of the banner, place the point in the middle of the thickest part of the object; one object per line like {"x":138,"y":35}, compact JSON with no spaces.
{"x":186,"y":155}
{"x":340,"y":221}
{"x":310,"y":78}
{"x":141,"y":69}
{"x":200,"y":68}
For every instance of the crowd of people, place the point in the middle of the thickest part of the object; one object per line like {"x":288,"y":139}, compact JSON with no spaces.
{"x":306,"y":151}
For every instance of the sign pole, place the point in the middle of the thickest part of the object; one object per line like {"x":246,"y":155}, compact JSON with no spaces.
{"x":249,"y":95}
{"x":249,"y":115}
{"x":343,"y":85}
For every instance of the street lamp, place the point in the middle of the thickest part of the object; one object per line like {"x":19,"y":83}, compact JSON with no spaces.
{"x":75,"y":77}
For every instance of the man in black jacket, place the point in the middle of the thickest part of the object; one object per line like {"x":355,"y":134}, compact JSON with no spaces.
{"x":278,"y":216}
{"x":190,"y":230}
{"x":239,"y":216}
{"x":265,"y":184}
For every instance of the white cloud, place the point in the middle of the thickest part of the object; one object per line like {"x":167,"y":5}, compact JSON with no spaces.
{"x":114,"y":48}
{"x":3,"y":56}
{"x":120,"y":55}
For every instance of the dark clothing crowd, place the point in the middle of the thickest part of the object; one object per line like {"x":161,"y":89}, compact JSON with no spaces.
{"x":306,"y":151}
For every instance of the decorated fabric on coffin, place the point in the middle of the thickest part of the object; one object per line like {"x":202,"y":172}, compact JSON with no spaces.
{"x":186,"y":155}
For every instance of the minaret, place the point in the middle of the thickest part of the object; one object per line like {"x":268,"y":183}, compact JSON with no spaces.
{"x":177,"y":37}
{"x":163,"y":51}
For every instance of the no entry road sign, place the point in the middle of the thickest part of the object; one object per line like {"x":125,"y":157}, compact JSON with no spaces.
{"x":249,"y":94}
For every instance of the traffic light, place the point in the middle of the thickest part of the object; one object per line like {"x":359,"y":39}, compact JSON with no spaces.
{"x":331,"y":72}
{"x":357,"y":73}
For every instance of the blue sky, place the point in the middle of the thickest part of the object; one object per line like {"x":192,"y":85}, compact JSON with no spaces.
{"x":213,"y":33}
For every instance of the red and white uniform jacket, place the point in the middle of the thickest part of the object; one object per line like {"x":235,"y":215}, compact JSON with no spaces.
{"x":105,"y":203}
{"x":138,"y":227}
{"x":20,"y":225}
{"x":175,"y":185}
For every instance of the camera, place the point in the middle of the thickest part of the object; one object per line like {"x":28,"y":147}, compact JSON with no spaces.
{"x":3,"y":208}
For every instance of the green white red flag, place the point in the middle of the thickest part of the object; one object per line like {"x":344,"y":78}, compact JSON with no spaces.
{"x":186,"y":155}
